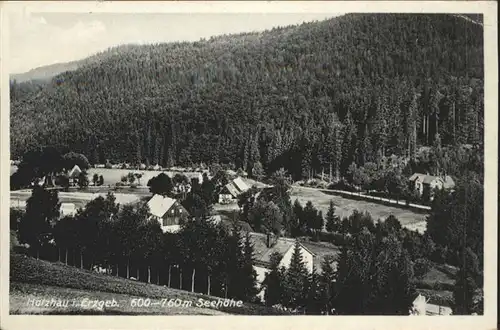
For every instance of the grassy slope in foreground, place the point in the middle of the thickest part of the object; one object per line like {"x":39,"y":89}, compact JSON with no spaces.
{"x":31,"y":278}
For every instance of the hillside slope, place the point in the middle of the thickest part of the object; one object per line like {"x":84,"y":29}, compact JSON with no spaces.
{"x":302,"y":97}
{"x":42,"y":279}
{"x":46,"y":72}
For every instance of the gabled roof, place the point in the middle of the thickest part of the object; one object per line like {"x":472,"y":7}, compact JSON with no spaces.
{"x":429,"y":178}
{"x":75,"y":172}
{"x":425,"y":178}
{"x":240,"y":184}
{"x":232,"y":189}
{"x":262,"y":253}
{"x":448,"y":182}
{"x":237,"y":187}
{"x":159,"y":205}
{"x":193,"y":175}
{"x":416,"y":176}
{"x":319,"y":251}
{"x":228,"y":224}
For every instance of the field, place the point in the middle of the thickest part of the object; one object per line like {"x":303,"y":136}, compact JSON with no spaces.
{"x":30,"y":278}
{"x":114,"y":175}
{"x":345,"y":206}
{"x":18,"y":198}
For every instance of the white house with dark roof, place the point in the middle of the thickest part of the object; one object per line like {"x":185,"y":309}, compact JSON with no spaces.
{"x":266,"y":245}
{"x":74,"y":173}
{"x":425,"y":182}
{"x":168,"y":212}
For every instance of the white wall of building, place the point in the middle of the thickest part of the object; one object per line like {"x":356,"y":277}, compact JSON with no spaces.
{"x":307,"y":257}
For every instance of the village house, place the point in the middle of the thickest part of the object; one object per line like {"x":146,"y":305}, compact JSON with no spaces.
{"x":422,"y":307}
{"x":232,"y":190}
{"x":424,"y":184}
{"x":266,"y":245}
{"x":168,"y":212}
{"x":73,"y":175}
{"x":194,"y":176}
{"x":67,"y":210}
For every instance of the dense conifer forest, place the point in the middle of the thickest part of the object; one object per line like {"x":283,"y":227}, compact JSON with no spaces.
{"x":318,"y":96}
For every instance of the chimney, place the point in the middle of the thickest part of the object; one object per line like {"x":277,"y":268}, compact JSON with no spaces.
{"x":271,"y":240}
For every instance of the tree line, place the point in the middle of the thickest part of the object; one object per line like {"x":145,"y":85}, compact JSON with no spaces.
{"x":201,"y":257}
{"x":311,"y":98}
{"x":376,"y":273}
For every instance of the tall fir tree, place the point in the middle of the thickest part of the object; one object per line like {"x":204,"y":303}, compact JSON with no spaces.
{"x":296,"y":280}
{"x":332,"y":220}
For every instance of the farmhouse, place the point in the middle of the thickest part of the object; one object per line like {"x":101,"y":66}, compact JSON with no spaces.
{"x":74,"y":174}
{"x":266,"y":245}
{"x":168,"y":212}
{"x":422,"y":307}
{"x":232,"y":190}
{"x":67,"y":209}
{"x":425,"y":184}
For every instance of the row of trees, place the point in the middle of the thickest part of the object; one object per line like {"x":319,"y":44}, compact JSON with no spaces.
{"x":374,"y":275}
{"x":202,"y":257}
{"x":52,"y":164}
{"x":376,"y":271}
{"x":311,"y":98}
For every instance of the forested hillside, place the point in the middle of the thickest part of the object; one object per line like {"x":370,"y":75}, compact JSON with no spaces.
{"x":306,"y":98}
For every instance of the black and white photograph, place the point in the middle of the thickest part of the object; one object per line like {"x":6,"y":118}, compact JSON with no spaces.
{"x":248,"y":164}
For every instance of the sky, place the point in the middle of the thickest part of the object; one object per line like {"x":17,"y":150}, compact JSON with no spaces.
{"x":38,"y":39}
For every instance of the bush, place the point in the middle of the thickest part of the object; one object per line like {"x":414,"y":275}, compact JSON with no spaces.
{"x":421,"y":267}
{"x":334,"y":238}
{"x":342,"y":185}
{"x":434,"y":286}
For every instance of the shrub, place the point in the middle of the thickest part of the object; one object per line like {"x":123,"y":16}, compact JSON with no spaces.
{"x":421,"y":267}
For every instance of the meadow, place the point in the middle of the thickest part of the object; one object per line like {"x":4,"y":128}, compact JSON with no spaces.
{"x":31,"y":278}
{"x":345,"y":206}
{"x":18,"y":198}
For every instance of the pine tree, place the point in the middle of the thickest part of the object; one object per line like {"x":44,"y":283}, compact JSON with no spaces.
{"x":296,"y":280}
{"x":310,"y":216}
{"x":247,"y":277}
{"x":327,"y":284}
{"x":467,"y":282}
{"x":274,"y":283}
{"x":298,"y":226}
{"x":313,"y":304}
{"x":332,"y":220}
{"x":392,"y":292}
{"x":354,"y":275}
